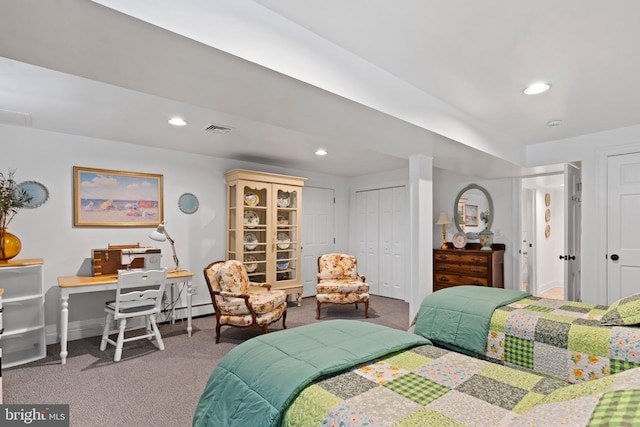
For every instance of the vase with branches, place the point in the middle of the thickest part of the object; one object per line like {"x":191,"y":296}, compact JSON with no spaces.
{"x":12,"y":199}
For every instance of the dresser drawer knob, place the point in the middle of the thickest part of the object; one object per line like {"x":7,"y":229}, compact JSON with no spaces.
{"x":476,"y":282}
{"x":443,"y":257}
{"x":476,"y":259}
{"x":443,"y":279}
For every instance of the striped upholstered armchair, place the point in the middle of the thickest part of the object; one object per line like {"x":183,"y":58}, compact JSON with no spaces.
{"x":340,"y":283}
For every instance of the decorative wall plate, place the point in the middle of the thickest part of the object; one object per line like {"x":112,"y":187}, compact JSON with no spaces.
{"x":251,"y":219}
{"x":282,"y":220}
{"x":547,"y":199}
{"x":547,"y":231}
{"x":282,"y":265}
{"x":283,"y":241}
{"x":188,"y":203}
{"x":250,"y":242}
{"x":250,"y":263}
{"x":38,"y":193}
{"x":547,"y":215}
{"x":284,"y":199}
{"x":251,"y":198}
{"x":459,"y":240}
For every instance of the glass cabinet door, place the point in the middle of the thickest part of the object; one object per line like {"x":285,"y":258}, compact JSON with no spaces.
{"x":256,"y":200}
{"x":287,"y":233}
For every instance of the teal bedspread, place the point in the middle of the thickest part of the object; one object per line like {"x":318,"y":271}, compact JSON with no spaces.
{"x":256,"y":381}
{"x":459,"y":316}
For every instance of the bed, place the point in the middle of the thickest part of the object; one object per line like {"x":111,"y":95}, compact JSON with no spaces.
{"x":571,"y":341}
{"x":354,"y":373}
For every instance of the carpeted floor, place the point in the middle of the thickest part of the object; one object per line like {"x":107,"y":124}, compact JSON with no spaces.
{"x":156,"y":388}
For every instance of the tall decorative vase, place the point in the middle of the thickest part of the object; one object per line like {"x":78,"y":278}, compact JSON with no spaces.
{"x":10,"y":245}
{"x":486,"y":239}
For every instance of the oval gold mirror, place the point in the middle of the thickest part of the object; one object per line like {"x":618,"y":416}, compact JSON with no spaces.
{"x":473,"y":210}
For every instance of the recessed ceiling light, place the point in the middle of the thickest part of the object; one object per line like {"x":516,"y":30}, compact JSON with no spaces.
{"x":554,"y":123}
{"x":177,"y":121}
{"x":537,"y":88}
{"x":321,"y":152}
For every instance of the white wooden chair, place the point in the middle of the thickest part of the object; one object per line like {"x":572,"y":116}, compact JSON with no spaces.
{"x":137,"y":303}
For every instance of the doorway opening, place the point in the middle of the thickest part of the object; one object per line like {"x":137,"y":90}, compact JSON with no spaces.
{"x":543,"y":235}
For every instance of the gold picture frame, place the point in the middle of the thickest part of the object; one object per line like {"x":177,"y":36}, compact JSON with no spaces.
{"x":471,"y":215}
{"x":110,"y":198}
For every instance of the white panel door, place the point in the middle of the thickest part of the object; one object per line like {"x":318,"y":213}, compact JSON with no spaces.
{"x":572,"y":230}
{"x":317,"y":233}
{"x":372,"y":256}
{"x":623,"y":233}
{"x":381,"y":237}
{"x":392,"y":231}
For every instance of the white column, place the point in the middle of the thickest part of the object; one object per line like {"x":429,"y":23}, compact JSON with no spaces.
{"x":421,"y":230}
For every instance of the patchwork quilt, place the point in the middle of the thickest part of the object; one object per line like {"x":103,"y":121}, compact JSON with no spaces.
{"x":562,"y":339}
{"x":430,"y":386}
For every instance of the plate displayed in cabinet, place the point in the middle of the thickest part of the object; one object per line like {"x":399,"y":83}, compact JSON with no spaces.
{"x":250,"y":241}
{"x":284,"y":199}
{"x":250,"y":263}
{"x":251,"y":198}
{"x":282,"y":220}
{"x":283,"y":241}
{"x":459,"y":240}
{"x":282,"y":265}
{"x":251,"y":219}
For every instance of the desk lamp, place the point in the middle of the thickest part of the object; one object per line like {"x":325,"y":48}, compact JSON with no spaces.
{"x":160,"y":234}
{"x":444,"y":220}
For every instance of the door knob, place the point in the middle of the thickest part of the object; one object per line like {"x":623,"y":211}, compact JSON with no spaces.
{"x":563,"y":257}
{"x":614,"y":257}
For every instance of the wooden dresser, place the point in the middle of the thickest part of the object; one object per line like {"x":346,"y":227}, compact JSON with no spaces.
{"x":468,"y":266}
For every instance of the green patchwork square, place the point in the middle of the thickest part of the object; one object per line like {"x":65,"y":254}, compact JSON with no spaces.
{"x":589,"y":340}
{"x":577,"y":304}
{"x":574,"y":391}
{"x":617,"y":408}
{"x":528,"y":402}
{"x":311,"y":406}
{"x":617,"y":366}
{"x":518,"y":351}
{"x":520,"y":379}
{"x":538,"y":308}
{"x":417,"y":388}
{"x":623,"y":312}
{"x":498,"y":320}
{"x":407,"y":360}
{"x":553,"y":333}
{"x":430,"y":351}
{"x":492,"y":391}
{"x":558,"y":318}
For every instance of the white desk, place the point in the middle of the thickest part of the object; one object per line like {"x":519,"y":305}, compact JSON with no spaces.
{"x":82,"y":284}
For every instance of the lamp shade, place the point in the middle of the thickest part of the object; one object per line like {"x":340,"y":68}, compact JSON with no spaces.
{"x":443,"y":219}
{"x":158,"y":234}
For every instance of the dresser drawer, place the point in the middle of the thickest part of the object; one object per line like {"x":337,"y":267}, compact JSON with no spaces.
{"x":481,"y":270}
{"x":455,"y":280}
{"x":462,"y":257}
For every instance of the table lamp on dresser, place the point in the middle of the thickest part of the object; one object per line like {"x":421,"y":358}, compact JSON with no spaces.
{"x":444,"y":220}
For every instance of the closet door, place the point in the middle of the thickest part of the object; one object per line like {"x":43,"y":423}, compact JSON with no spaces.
{"x":392,"y":226}
{"x":381,"y":238}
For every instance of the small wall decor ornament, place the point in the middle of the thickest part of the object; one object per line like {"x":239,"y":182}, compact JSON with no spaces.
{"x":547,"y":215}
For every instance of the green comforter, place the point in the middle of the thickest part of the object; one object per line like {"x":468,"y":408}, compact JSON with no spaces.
{"x":256,"y":381}
{"x":459,"y":317}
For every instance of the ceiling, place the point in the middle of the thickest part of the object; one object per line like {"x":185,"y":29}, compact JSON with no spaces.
{"x":371,"y":81}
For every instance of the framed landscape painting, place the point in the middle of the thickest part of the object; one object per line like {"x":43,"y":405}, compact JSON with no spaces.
{"x":108,"y":198}
{"x":471,"y":215}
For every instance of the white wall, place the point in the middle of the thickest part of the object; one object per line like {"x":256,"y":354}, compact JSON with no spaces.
{"x":47,"y":232}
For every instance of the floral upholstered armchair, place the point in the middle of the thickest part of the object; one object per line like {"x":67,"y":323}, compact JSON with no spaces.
{"x":340,"y":283}
{"x":239,"y":302}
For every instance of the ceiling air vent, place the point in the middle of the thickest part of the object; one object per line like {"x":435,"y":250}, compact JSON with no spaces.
{"x":211,"y":127}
